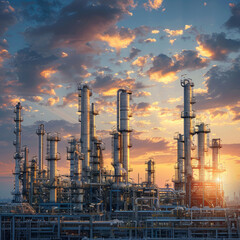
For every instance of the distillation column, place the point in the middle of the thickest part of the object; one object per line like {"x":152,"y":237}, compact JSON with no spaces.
{"x":150,"y":172}
{"x":202,"y":148}
{"x":123,"y":115}
{"x":216,"y":145}
{"x":25,"y":190}
{"x":188,"y":114}
{"x":40,"y":132}
{"x":179,"y":181}
{"x":117,"y":157}
{"x":53,"y":157}
{"x":17,"y":156}
{"x":84,"y":95}
{"x":71,"y":155}
{"x":33,"y":177}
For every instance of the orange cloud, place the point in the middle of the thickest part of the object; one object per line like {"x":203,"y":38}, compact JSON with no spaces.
{"x":166,"y":78}
{"x":172,"y":41}
{"x":153,"y":4}
{"x":140,"y":61}
{"x":187,"y":27}
{"x":155,"y":31}
{"x":52,"y":101}
{"x":173,"y":32}
{"x":118,"y":39}
{"x":148,"y":40}
{"x":47,"y":73}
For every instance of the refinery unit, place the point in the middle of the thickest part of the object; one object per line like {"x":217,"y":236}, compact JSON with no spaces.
{"x":92,"y":202}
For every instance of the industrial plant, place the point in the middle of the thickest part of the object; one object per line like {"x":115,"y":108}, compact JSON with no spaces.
{"x":94,"y":203}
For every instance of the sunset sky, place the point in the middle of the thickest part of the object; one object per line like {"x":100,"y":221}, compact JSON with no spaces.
{"x":47,"y":47}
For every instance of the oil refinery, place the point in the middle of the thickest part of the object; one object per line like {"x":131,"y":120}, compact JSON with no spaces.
{"x":92,"y":202}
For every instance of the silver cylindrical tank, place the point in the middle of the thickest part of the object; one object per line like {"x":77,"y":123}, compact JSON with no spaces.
{"x":180,"y":150}
{"x":40,"y":132}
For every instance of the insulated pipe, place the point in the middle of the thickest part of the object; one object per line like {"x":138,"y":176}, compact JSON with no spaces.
{"x":40,"y":132}
{"x":85,"y":129}
{"x":202,"y":135}
{"x":53,"y":157}
{"x":17,"y":156}
{"x":187,"y":115}
{"x":123,"y":127}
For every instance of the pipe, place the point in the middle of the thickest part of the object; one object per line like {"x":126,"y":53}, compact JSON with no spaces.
{"x":40,"y":132}
{"x":17,"y":156}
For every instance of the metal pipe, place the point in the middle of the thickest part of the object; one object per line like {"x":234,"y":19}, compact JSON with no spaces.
{"x":17,"y":156}
{"x":40,"y":132}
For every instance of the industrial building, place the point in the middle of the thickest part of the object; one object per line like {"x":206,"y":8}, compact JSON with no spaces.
{"x":92,"y":202}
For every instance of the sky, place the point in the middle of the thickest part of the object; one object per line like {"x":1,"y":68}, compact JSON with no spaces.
{"x":48,"y":47}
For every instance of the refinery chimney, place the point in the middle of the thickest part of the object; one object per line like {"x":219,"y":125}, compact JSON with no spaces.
{"x":40,"y":132}
{"x":188,"y":114}
{"x":18,"y":155}
{"x":123,"y":115}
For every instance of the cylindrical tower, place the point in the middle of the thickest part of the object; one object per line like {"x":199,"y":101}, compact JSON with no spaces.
{"x":179,"y":176}
{"x":40,"y":132}
{"x":85,"y":94}
{"x":123,"y":117}
{"x":117,"y":157}
{"x":33,"y":178}
{"x":53,"y":157}
{"x":25,"y":190}
{"x":18,"y":155}
{"x":150,"y":172}
{"x":71,"y":155}
{"x":188,"y":114}
{"x":216,"y":145}
{"x":202,"y":148}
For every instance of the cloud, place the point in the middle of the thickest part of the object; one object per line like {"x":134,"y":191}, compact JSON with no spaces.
{"x":118,"y":38}
{"x":7,"y":16}
{"x":164,"y":68}
{"x":140,"y":61}
{"x":173,"y":33}
{"x":78,"y":24}
{"x":153,"y":4}
{"x":150,"y":40}
{"x":133,"y":53}
{"x":142,"y":94}
{"x":223,"y":88}
{"x":155,"y":31}
{"x":216,"y":46}
{"x":234,"y":21}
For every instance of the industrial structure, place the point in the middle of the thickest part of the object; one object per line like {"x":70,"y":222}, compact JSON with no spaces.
{"x":92,"y":202}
